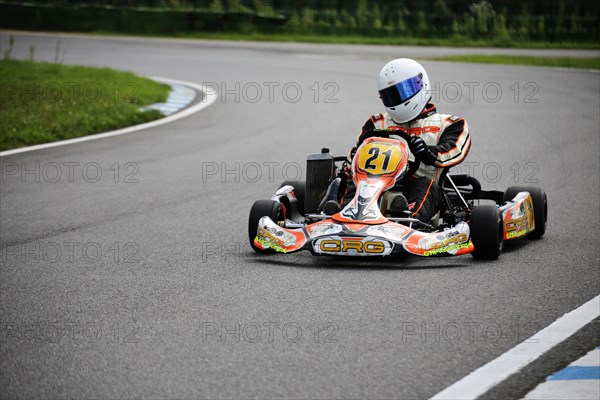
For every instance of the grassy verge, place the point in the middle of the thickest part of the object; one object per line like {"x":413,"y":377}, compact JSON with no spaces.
{"x":567,"y":62}
{"x":44,"y":102}
{"x":458,"y":41}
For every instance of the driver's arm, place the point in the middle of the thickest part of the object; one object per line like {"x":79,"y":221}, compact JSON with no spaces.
{"x":451,"y":149}
{"x":453,"y":145}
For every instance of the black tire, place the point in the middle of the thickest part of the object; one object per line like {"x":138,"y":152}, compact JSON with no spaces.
{"x":487,"y":232}
{"x":299,"y":191}
{"x":540,"y":207}
{"x":263,"y":208}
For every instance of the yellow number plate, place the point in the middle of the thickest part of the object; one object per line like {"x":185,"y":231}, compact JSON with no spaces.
{"x":379,"y":158}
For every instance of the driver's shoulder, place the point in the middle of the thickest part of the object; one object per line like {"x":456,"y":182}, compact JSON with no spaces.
{"x":376,"y":121}
{"x":375,"y":118}
{"x":450,"y":118}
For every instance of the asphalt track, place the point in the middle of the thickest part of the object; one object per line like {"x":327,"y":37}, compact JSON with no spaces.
{"x":141,"y":283}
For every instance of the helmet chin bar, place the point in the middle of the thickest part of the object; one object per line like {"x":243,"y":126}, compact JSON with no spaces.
{"x":410,"y":120}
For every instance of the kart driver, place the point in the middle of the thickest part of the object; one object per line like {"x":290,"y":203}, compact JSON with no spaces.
{"x":438,"y":141}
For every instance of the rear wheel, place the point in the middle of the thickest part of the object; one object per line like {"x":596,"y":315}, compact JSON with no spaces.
{"x":263,"y":208}
{"x":540,"y":207}
{"x":487,"y":232}
{"x":299,"y":192}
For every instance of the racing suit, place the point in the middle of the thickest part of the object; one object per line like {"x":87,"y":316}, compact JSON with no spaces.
{"x":448,"y":142}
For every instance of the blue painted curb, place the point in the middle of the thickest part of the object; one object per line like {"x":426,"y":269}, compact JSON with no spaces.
{"x":576,"y":373}
{"x":179,"y":98}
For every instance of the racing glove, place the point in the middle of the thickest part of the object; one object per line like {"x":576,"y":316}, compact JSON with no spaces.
{"x":421,"y":151}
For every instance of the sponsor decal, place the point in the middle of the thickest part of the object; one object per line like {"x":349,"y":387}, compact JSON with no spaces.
{"x":443,"y":242}
{"x":455,"y":239}
{"x":530,"y":215}
{"x":268,"y":236}
{"x":446,"y":249}
{"x":512,"y":235}
{"x":525,"y":223}
{"x":337,"y":246}
{"x":416,"y":130}
{"x":516,"y":224}
{"x":270,"y":245}
{"x":352,"y":246}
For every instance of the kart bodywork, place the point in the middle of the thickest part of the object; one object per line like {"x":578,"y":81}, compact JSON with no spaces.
{"x":364,"y":227}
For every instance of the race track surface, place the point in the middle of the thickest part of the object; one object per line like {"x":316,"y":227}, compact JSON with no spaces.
{"x":125,"y":264}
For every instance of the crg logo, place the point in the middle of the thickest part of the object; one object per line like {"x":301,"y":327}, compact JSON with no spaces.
{"x":456,"y":239}
{"x":365,"y":246}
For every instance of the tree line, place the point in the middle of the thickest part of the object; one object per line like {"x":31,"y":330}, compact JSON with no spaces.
{"x":548,"y":20}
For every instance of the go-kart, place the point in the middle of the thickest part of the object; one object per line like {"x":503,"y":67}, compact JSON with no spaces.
{"x":299,"y":216}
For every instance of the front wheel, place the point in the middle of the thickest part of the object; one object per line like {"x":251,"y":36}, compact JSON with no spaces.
{"x":487,"y":232}
{"x":540,"y":207}
{"x":263,"y":208}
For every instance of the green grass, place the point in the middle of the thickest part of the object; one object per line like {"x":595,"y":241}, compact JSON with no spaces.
{"x":456,"y":41}
{"x":567,"y":62}
{"x":44,"y":102}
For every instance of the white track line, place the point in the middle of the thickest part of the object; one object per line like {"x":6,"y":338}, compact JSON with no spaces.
{"x":210,"y":96}
{"x":486,"y":377}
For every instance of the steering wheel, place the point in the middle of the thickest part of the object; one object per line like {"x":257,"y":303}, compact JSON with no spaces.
{"x":413,"y":166}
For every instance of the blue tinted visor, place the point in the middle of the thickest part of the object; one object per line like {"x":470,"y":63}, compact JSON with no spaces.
{"x":401,"y":91}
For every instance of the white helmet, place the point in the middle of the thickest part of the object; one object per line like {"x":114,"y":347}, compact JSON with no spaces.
{"x":404,"y":89}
